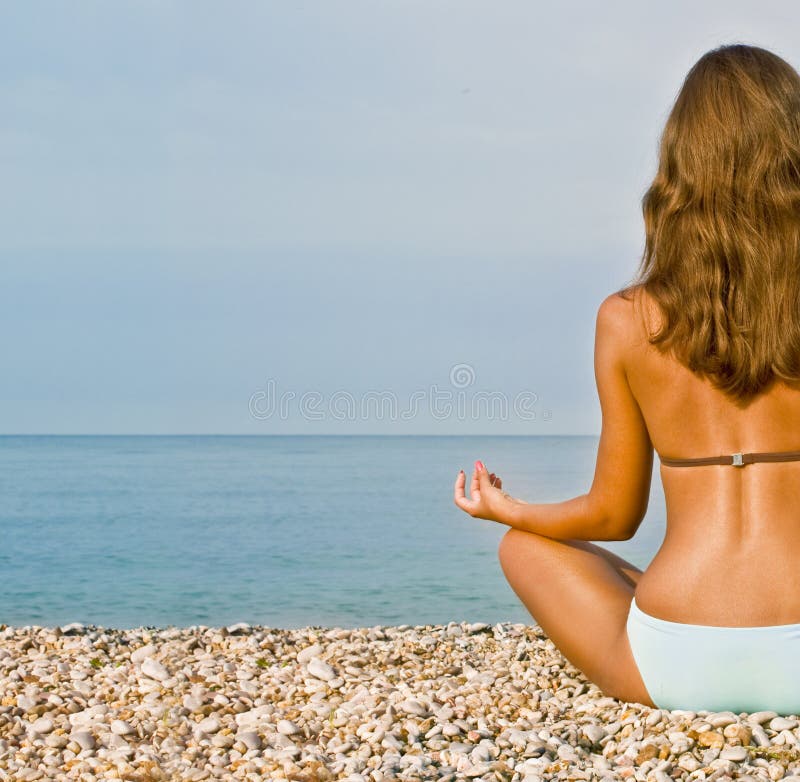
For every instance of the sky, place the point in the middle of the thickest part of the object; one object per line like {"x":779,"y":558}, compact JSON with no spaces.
{"x":332,"y":217}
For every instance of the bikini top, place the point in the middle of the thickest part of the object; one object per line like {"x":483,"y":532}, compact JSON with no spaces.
{"x":734,"y":459}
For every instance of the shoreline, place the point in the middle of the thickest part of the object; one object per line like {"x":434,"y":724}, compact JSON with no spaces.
{"x":445,"y":702}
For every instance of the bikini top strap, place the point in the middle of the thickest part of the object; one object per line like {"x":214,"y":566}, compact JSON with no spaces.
{"x":782,"y":456}
{"x":735,"y":459}
{"x":698,"y":461}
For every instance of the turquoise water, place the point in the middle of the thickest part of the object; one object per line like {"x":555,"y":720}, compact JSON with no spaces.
{"x":283,"y":531}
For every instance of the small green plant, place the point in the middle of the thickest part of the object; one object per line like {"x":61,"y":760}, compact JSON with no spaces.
{"x":95,"y":662}
{"x":261,"y":662}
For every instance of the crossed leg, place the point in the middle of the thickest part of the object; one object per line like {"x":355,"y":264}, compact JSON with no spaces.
{"x":580,"y":594}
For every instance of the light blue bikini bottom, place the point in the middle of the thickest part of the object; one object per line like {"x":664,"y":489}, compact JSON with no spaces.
{"x":701,"y":667}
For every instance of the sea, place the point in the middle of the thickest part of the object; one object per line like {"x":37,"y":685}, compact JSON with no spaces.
{"x":279,"y":531}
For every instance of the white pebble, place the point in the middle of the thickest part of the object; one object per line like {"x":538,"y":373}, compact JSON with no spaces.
{"x":594,"y":732}
{"x":250,"y":739}
{"x":154,"y":669}
{"x":413,"y":706}
{"x":56,"y":740}
{"x":142,"y":653}
{"x":209,"y":725}
{"x":653,"y":718}
{"x":319,"y":669}
{"x":782,"y":723}
{"x":761,"y":717}
{"x":304,"y":655}
{"x":721,"y":719}
{"x":287,"y":728}
{"x":121,"y":727}
{"x":192,"y":703}
{"x":84,"y":739}
{"x":736,"y":754}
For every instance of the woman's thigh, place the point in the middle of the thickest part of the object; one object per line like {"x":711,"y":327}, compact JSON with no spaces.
{"x":580,"y":594}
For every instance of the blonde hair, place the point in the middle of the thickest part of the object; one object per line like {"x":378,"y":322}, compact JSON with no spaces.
{"x":722,"y":223}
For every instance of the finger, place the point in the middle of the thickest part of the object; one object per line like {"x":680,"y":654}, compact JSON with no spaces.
{"x":474,"y":486}
{"x":492,"y":479}
{"x":498,"y":483}
{"x":459,"y":497}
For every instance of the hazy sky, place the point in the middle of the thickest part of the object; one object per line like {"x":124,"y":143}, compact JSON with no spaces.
{"x":200,"y":202}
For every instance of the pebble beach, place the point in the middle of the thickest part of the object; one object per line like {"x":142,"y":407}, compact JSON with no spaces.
{"x":434,"y":702}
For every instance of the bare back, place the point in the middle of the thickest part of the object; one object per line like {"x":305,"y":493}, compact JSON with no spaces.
{"x":731,"y":554}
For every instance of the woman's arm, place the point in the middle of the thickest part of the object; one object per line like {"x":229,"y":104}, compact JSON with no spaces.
{"x":576,"y":518}
{"x":615,"y":505}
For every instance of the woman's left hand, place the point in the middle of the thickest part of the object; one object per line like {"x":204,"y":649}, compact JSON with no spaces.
{"x":487,"y":499}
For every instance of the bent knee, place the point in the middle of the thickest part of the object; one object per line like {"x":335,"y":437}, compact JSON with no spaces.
{"x":509,"y":544}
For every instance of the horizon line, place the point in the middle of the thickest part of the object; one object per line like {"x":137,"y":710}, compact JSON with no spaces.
{"x":280,"y":434}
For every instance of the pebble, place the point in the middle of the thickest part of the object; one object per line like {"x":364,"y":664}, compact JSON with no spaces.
{"x":192,"y":702}
{"x":209,"y":725}
{"x":781,"y":723}
{"x":412,"y":706}
{"x":734,"y":753}
{"x":759,"y":736}
{"x":250,"y":739}
{"x":594,"y":733}
{"x":142,"y":653}
{"x":56,"y":740}
{"x":154,"y":669}
{"x":721,"y":719}
{"x":83,"y":738}
{"x":449,"y":729}
{"x":287,"y":728}
{"x":761,"y":716}
{"x":43,"y":725}
{"x":320,"y":669}
{"x":122,"y":728}
{"x":304,"y":655}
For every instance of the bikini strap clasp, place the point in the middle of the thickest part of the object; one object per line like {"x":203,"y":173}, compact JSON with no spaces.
{"x":738,"y":460}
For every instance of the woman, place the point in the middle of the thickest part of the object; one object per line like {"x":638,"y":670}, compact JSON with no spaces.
{"x":699,"y":359}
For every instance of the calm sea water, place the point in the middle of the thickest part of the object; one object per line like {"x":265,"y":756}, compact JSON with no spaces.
{"x":283,"y":531}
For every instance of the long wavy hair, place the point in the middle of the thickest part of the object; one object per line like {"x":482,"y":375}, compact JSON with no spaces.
{"x":722,"y":223}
